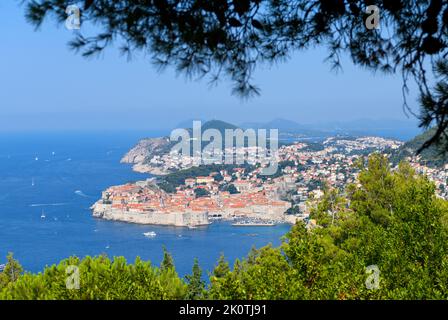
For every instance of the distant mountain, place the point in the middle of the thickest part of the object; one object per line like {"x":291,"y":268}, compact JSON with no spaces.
{"x":433,"y":156}
{"x":387,"y":128}
{"x":280,"y":124}
{"x":285,"y":127}
{"x":219,"y":125}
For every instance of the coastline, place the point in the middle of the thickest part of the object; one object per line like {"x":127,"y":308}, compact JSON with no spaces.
{"x":178,"y":219}
{"x":186,"y":218}
{"x":145,"y":168}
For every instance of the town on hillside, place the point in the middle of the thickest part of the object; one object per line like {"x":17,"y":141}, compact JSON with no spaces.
{"x":190,"y":197}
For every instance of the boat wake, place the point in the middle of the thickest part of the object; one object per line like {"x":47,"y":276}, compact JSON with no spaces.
{"x":47,"y":204}
{"x":82,"y":194}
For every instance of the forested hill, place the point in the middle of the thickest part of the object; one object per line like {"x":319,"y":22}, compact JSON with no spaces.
{"x":434,"y":156}
{"x":219,"y":125}
{"x":150,"y":147}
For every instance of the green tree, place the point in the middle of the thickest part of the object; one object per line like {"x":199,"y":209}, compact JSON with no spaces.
{"x":12,"y":271}
{"x":231,"y":189}
{"x":201,"y":192}
{"x":196,"y":286}
{"x":167,"y":262}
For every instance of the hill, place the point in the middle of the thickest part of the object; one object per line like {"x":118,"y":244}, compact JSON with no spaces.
{"x":386,"y":128}
{"x":286,"y":128}
{"x":142,"y":153}
{"x":434,"y":156}
{"x":219,"y":125}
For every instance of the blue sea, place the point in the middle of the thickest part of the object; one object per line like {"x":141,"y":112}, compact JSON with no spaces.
{"x":62,"y":174}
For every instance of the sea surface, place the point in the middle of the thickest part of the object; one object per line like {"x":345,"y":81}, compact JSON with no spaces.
{"x":60,"y":175}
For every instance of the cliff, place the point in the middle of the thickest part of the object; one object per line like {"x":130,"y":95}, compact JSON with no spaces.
{"x":146,"y":149}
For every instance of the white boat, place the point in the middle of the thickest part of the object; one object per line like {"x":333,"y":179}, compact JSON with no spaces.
{"x":150,"y":234}
{"x":42,"y":216}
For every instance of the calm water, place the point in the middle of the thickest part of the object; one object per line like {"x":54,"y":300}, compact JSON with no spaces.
{"x":69,"y":171}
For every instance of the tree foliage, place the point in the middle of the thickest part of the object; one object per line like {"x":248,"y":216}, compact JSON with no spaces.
{"x":100,"y":278}
{"x":12,"y":271}
{"x":196,"y":286}
{"x":168,"y":261}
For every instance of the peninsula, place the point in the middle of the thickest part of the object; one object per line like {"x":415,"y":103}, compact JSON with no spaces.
{"x":189,"y":196}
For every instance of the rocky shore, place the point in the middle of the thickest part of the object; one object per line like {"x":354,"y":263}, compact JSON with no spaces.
{"x":143,"y":151}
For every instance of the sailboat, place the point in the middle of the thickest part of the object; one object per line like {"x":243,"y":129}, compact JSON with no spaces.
{"x":42,"y":216}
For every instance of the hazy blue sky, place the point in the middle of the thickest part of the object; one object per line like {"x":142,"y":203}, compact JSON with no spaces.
{"x":43,"y":85}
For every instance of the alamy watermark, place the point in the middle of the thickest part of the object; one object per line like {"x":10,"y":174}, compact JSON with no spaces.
{"x":237,"y":146}
{"x":373,"y":280}
{"x":373,"y":20}
{"x":72,"y":282}
{"x":73,"y":21}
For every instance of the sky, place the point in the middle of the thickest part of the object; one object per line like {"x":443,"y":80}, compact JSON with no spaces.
{"x":45,"y":86}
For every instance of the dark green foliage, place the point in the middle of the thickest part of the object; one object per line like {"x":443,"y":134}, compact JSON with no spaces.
{"x":201,"y":192}
{"x":218,"y":177}
{"x":313,"y":146}
{"x":230,"y":188}
{"x":167,"y":262}
{"x":12,"y":271}
{"x":222,"y":268}
{"x":167,"y":187}
{"x":293,"y":210}
{"x":314,"y":184}
{"x":219,"y":125}
{"x":175,"y":179}
{"x":196,"y":286}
